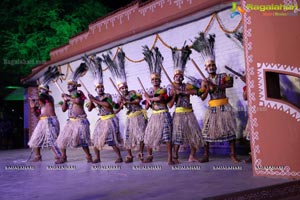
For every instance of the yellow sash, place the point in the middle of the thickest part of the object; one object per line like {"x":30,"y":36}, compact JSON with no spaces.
{"x":159,"y":111}
{"x":136,"y":113}
{"x":218,"y":102}
{"x":183,"y":110}
{"x":73,"y":119}
{"x":106,"y":117}
{"x":44,"y":117}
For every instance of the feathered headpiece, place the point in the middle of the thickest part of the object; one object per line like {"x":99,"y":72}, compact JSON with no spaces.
{"x":180,"y":58}
{"x":80,"y":71}
{"x":194,"y":81}
{"x":154,"y":60}
{"x":51,"y":74}
{"x":238,"y":35}
{"x":95,"y":66}
{"x":117,"y":67}
{"x":205,"y":46}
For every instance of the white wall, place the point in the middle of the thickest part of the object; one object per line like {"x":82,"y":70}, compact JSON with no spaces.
{"x":227,"y":53}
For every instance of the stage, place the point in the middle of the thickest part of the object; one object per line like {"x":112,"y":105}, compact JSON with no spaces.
{"x":76,"y":179}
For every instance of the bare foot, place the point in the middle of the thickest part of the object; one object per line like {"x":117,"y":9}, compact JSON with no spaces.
{"x":176,"y":160}
{"x":192,"y":159}
{"x":248,"y":160}
{"x":119,"y":160}
{"x":204,"y":159}
{"x":129,"y":159}
{"x":89,"y":158}
{"x":148,"y":159}
{"x":61,"y":160}
{"x":140,"y":156}
{"x":97,"y":160}
{"x":37,"y":159}
{"x":234,"y":159}
{"x":171,"y":162}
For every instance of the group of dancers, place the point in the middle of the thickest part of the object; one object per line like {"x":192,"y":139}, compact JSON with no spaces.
{"x":141,"y":132}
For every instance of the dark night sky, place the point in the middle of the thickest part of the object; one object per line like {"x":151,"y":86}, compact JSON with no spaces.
{"x":11,"y":76}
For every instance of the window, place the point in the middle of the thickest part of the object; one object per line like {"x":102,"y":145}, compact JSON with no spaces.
{"x":284,"y":87}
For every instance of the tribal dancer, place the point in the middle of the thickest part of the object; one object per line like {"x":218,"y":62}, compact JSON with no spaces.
{"x":76,"y":132}
{"x":219,"y":123}
{"x":186,"y":129}
{"x":136,"y":120}
{"x":159,"y":128}
{"x":47,"y":129}
{"x":107,"y":126}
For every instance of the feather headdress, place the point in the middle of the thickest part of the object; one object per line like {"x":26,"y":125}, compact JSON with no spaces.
{"x":95,"y":67}
{"x":116,"y":67}
{"x":205,"y":46}
{"x":238,"y":35}
{"x":180,"y":58}
{"x":194,"y":81}
{"x":79,"y":72}
{"x":154,"y":60}
{"x":51,"y":74}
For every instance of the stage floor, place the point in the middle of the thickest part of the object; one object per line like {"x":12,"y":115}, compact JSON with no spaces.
{"x":76,"y":179}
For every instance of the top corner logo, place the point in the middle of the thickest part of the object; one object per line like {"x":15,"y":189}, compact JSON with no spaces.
{"x":236,"y":10}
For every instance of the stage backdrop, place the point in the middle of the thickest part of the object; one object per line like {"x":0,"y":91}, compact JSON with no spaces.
{"x":272,"y":36}
{"x":227,"y":53}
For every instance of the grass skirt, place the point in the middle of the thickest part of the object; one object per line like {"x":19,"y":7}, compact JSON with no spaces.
{"x":76,"y":133}
{"x":158,"y":130}
{"x":219,"y":124}
{"x":134,"y":131}
{"x":186,"y":130}
{"x":45,"y":133}
{"x":106,"y":132}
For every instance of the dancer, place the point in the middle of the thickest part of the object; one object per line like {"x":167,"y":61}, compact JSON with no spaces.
{"x":136,"y":117}
{"x":107,"y":126}
{"x":159,"y":128}
{"x":76,"y":132}
{"x":219,"y":123}
{"x":47,"y":129}
{"x":186,"y":129}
